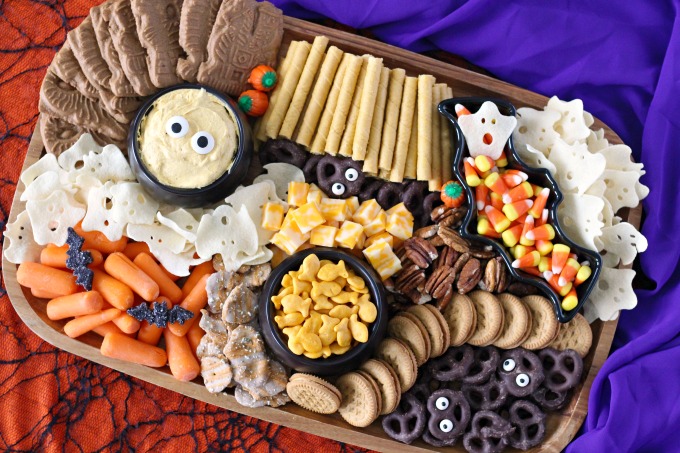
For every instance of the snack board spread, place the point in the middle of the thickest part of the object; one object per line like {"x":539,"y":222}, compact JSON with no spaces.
{"x":355,"y":157}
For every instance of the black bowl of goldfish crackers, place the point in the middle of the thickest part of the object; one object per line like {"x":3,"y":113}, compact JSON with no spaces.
{"x":323,"y":311}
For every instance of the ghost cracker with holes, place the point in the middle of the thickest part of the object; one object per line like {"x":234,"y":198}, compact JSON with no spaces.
{"x":188,"y":139}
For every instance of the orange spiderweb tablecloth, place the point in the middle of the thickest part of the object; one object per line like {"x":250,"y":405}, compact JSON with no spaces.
{"x":55,"y":401}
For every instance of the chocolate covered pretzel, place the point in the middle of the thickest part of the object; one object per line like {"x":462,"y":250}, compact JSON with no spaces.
{"x":562,"y":369}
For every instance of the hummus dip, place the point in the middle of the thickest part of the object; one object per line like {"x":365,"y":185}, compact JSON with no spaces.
{"x":188,"y":139}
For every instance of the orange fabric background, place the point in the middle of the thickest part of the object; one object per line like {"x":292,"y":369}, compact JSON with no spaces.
{"x":55,"y":401}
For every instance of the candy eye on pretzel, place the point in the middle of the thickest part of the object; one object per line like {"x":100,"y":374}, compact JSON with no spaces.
{"x":522,"y":380}
{"x":338,"y":189}
{"x":351,"y":174}
{"x":509,"y":365}
{"x":446,"y":425}
{"x":442,"y":404}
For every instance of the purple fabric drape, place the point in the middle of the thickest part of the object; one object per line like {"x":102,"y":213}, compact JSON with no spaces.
{"x":623,"y":59}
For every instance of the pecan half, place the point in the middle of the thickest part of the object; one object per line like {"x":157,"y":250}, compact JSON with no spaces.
{"x":460,"y":262}
{"x":427,"y":232}
{"x":490,"y":279}
{"x":503,"y":276}
{"x":436,"y":241}
{"x":438,"y":212}
{"x":482,"y":253}
{"x":440,"y":282}
{"x":447,"y":257}
{"x":445,"y":300}
{"x":453,"y":239}
{"x":421,"y":252}
{"x":410,"y":278}
{"x":470,"y":275}
{"x":452,"y":218}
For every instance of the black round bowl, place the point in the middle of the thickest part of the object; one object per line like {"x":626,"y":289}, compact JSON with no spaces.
{"x":335,"y":364}
{"x":203,"y":196}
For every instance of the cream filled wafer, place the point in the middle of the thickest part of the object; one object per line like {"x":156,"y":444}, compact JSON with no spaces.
{"x":447,"y":152}
{"x":353,"y":115}
{"x":425,"y":86}
{"x":374,"y":139}
{"x":304,"y":85}
{"x":435,"y":181}
{"x":349,"y":82}
{"x":367,"y":108}
{"x":412,"y":156}
{"x":408,"y":107}
{"x":389,"y":132}
{"x":322,"y":87}
{"x":261,"y":134}
{"x":319,"y":142}
{"x":287,"y":90}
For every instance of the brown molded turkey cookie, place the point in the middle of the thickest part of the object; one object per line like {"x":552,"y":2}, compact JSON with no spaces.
{"x":84,"y":45}
{"x":61,"y":100}
{"x":195,"y":25}
{"x":119,"y":84}
{"x":59,"y":135}
{"x":253,"y":36}
{"x":158,"y":32}
{"x":132,"y":55}
{"x":66,"y":66}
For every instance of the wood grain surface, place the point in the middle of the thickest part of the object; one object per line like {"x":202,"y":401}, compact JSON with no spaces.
{"x":561,"y":426}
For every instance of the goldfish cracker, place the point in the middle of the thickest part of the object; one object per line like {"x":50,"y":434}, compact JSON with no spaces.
{"x":368,"y":312}
{"x":380,"y":237}
{"x":323,"y":235}
{"x":279,"y":297}
{"x":344,"y":336}
{"x":339,"y":350}
{"x":382,"y":258}
{"x":287,"y":281}
{"x":366,"y":212}
{"x":297,"y":193}
{"x":293,"y":344}
{"x":323,"y":304}
{"x":334,"y":210}
{"x":346,"y":297}
{"x":307,"y":217}
{"x":358,"y":329}
{"x":326,"y":331}
{"x":329,"y":272}
{"x":328,"y":289}
{"x":291,"y":319}
{"x":293,"y":303}
{"x":272,"y":216}
{"x":309,"y":269}
{"x":308,"y":339}
{"x":315,"y":322}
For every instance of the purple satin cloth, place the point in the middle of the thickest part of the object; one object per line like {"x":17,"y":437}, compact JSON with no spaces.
{"x":623,"y":59}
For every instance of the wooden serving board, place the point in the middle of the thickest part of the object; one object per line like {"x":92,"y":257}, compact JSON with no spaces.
{"x":561,"y":426}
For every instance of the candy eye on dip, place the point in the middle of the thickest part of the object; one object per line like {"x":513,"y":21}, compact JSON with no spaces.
{"x":188,"y":139}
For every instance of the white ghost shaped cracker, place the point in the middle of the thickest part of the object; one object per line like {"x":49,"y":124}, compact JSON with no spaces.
{"x":535,"y":128}
{"x":487,"y":130}
{"x":534,"y":158}
{"x":281,"y":174}
{"x":578,"y":167}
{"x":572,"y":123}
{"x":622,"y":242}
{"x":612,"y":293}
{"x":52,"y":216}
{"x":22,"y":247}
{"x":579,"y":217}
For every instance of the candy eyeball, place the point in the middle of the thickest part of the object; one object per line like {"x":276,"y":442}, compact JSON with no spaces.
{"x":338,"y":189}
{"x":522,"y":380}
{"x":351,"y":174}
{"x":177,"y":127}
{"x":446,"y":425}
{"x":509,"y":365}
{"x":442,"y":403}
{"x":202,"y":142}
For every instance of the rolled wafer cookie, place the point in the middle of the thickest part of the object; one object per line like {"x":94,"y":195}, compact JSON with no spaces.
{"x":411,"y":167}
{"x":447,"y":148}
{"x":349,"y":82}
{"x":425,"y":86}
{"x":131,"y":54}
{"x":286,"y":90}
{"x":324,"y":126}
{"x":391,"y":121}
{"x":322,"y":87}
{"x":406,"y":113}
{"x":435,"y":181}
{"x":195,"y":25}
{"x":353,"y":115}
{"x":373,"y":152}
{"x":303,"y":87}
{"x":367,"y":105}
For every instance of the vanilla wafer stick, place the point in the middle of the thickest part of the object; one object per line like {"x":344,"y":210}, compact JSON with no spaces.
{"x":406,"y":111}
{"x":447,"y":149}
{"x":410,"y":170}
{"x":367,"y":108}
{"x":260,"y":133}
{"x":322,"y":87}
{"x":353,"y":115}
{"x":287,"y":90}
{"x":349,"y":83}
{"x":303,"y":87}
{"x":435,"y":181}
{"x":373,"y":154}
{"x":389,"y":133}
{"x":425,"y":85}
{"x":319,"y":143}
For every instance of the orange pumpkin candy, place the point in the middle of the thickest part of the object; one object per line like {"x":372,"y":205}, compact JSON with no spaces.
{"x":263,"y":78}
{"x":452,"y":194}
{"x":253,"y":102}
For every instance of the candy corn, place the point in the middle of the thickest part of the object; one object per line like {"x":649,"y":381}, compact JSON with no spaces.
{"x":539,"y":203}
{"x":560,"y":255}
{"x":544,"y":232}
{"x":519,"y":173}
{"x":532,"y":270}
{"x":531,"y":259}
{"x":496,"y":184}
{"x":481,"y":196}
{"x":496,"y":200}
{"x":569,"y":272}
{"x":521,"y":192}
{"x":484,"y":163}
{"x":461,"y":110}
{"x":497,"y":218}
{"x":511,"y":180}
{"x":514,"y":210}
{"x":528,"y":226}
{"x":511,"y":236}
{"x":543,"y":219}
{"x":485,"y":228}
{"x":570,"y":301}
{"x":544,"y":247}
{"x":502,"y":160}
{"x":520,"y":250}
{"x":544,"y":264}
{"x":562,"y":290}
{"x":471,"y":175}
{"x":583,"y":274}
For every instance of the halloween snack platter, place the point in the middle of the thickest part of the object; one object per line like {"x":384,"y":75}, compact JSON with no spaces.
{"x":420,"y":347}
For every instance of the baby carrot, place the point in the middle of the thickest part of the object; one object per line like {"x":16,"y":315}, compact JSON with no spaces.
{"x":126,"y":323}
{"x":77,"y":304}
{"x":120,"y":267}
{"x":46,"y":279}
{"x":195,"y":334}
{"x":132,"y":249}
{"x":118,"y":346}
{"x":44,"y":294}
{"x":198,"y":272}
{"x":108,"y":327}
{"x":167,"y":287}
{"x":183,"y":364}
{"x":149,"y":333}
{"x":78,"y":326}
{"x":114,"y":292}
{"x":98,"y":241}
{"x":56,"y":256}
{"x":193,"y":302}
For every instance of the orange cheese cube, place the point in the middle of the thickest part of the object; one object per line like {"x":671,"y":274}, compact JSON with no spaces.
{"x":315,"y":195}
{"x":272,"y":216}
{"x":289,"y":238}
{"x":361,"y":241}
{"x":382,"y":258}
{"x":333,"y":223}
{"x":323,"y":236}
{"x":335,"y":210}
{"x":297,"y":193}
{"x":399,"y":225}
{"x":400,"y":209}
{"x":376,"y":225}
{"x":307,"y":217}
{"x":353,"y":203}
{"x":367,"y":211}
{"x":348,"y":234}
{"x":384,"y":237}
